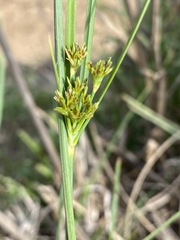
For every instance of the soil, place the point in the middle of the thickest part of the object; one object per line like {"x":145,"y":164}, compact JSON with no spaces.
{"x":28,"y":24}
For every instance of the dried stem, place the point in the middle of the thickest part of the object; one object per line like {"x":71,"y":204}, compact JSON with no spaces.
{"x":32,"y":108}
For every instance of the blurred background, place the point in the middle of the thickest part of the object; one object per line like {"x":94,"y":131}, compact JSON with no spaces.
{"x":127,"y":162}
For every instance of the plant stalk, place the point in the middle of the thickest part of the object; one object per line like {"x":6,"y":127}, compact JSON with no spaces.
{"x":124,"y":52}
{"x":67,"y":168}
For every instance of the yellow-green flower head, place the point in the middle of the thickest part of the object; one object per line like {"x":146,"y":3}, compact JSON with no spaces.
{"x":76,"y":104}
{"x":75,"y":56}
{"x":99,"y":71}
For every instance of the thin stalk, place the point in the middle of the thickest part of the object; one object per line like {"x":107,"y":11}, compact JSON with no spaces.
{"x":63,"y":71}
{"x":55,"y":66}
{"x":63,"y":140}
{"x":121,"y":58}
{"x":115,"y":198}
{"x":158,"y":230}
{"x":88,"y":36}
{"x":124,"y":52}
{"x":59,"y":43}
{"x":67,"y":181}
{"x":150,"y":115}
{"x":71,"y":149}
{"x":58,"y":231}
{"x":70,"y":29}
{"x":70,"y":22}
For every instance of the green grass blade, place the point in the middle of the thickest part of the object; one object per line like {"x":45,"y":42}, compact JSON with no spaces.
{"x":124,"y":52}
{"x":2,"y":86}
{"x":55,"y":66}
{"x":70,"y":22}
{"x":88,"y":36}
{"x":157,"y":231}
{"x":70,"y":29}
{"x":59,"y":42}
{"x":63,"y":141}
{"x":60,"y":223}
{"x":150,"y":115}
{"x":67,"y":182}
{"x":115,"y":197}
{"x":31,"y":143}
{"x":70,"y":39}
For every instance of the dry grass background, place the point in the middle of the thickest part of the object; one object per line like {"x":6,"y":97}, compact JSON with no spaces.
{"x":28,"y":24}
{"x":151,"y":193}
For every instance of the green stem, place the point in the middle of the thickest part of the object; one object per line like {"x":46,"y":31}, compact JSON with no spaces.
{"x":157,"y":231}
{"x":115,"y":197}
{"x":71,"y":149}
{"x":88,"y":36}
{"x":70,"y":22}
{"x":121,"y":58}
{"x":67,"y":168}
{"x":70,"y":30}
{"x":61,"y":203}
{"x":150,"y":115}
{"x":69,"y":41}
{"x":59,"y":44}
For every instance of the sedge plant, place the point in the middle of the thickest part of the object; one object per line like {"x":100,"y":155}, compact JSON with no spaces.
{"x":76,"y":103}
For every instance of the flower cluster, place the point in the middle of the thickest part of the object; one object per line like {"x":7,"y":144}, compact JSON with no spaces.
{"x":75,"y":103}
{"x":75,"y":56}
{"x":99,"y":71}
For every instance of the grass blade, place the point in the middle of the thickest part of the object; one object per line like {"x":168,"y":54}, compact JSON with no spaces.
{"x":70,"y":22}
{"x":150,"y":115}
{"x":172,"y":219}
{"x":55,"y":66}
{"x":59,"y":43}
{"x":124,"y":52}
{"x":70,"y":39}
{"x":115,"y":197}
{"x":63,"y":141}
{"x":30,"y":142}
{"x":88,"y":36}
{"x":70,"y":29}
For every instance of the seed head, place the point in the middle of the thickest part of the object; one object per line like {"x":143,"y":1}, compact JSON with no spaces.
{"x":75,"y":56}
{"x":99,"y":71}
{"x":76,"y":105}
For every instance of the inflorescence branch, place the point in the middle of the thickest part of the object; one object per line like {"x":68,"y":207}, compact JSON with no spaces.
{"x":75,"y":103}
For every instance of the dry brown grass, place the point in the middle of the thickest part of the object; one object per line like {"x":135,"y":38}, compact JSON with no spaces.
{"x":150,"y":182}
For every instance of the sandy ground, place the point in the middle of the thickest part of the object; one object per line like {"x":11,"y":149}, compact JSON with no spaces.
{"x":28,"y":24}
